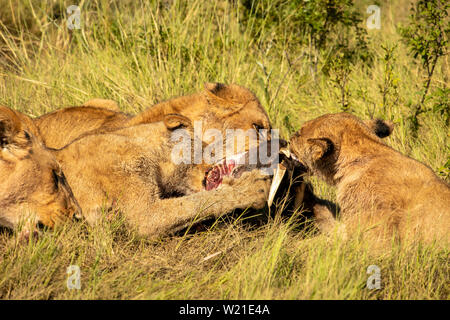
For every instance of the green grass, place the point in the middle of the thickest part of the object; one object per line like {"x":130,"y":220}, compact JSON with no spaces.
{"x":139,"y":54}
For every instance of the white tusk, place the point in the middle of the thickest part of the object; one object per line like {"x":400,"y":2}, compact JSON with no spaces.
{"x":286,"y":152}
{"x":277,"y":178}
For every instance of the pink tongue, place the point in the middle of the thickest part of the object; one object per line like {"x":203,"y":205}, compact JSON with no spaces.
{"x":215,"y":176}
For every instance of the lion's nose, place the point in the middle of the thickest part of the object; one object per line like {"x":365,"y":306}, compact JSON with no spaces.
{"x":77,"y":216}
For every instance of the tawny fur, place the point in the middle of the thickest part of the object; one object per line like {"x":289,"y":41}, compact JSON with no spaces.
{"x":131,"y":169}
{"x":32,"y":185}
{"x":58,"y":128}
{"x":149,"y":199}
{"x":218,"y":106}
{"x":102,"y":103}
{"x":381,"y":192}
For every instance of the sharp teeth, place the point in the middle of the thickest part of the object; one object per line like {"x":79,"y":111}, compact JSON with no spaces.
{"x":277,"y":178}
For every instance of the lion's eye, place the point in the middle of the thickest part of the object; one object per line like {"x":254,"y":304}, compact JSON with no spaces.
{"x":257,"y":127}
{"x":27,"y":135}
{"x":3,"y":142}
{"x":262,"y":132}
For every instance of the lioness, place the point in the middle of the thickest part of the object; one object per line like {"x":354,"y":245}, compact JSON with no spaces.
{"x":379,"y":190}
{"x":32,"y":185}
{"x":157,"y":195}
{"x":219,"y":106}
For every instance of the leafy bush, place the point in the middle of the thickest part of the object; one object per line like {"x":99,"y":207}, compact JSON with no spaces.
{"x":328,"y":27}
{"x":427,"y":38}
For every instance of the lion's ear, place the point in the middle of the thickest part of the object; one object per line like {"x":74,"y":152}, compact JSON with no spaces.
{"x":230,"y":93}
{"x":382,"y":128}
{"x":219,"y":94}
{"x":320,"y":148}
{"x":10,"y":126}
{"x":177,"y":121}
{"x":216,"y":89}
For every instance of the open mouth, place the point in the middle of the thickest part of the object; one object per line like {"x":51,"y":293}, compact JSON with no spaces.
{"x":230,"y":167}
{"x":234,"y":167}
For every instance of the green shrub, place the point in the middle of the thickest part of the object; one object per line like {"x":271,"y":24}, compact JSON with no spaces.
{"x":427,"y":38}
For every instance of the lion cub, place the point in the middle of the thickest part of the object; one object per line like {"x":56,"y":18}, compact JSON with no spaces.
{"x":379,"y":190}
{"x":157,"y":196}
{"x":32,"y":185}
